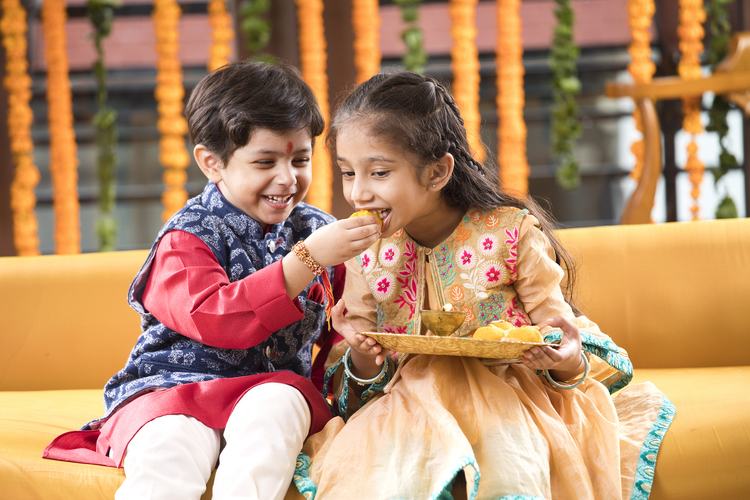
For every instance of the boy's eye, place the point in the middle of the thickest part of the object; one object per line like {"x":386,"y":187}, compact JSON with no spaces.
{"x":301,"y":161}
{"x":347,"y":175}
{"x":265,"y":163}
{"x":380,"y":173}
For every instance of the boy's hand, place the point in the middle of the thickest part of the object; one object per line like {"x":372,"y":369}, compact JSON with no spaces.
{"x":338,"y":242}
{"x":565,"y":361}
{"x":366,"y":354}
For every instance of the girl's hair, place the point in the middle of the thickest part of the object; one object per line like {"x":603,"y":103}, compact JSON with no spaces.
{"x":418,"y":115}
{"x":229,"y":104}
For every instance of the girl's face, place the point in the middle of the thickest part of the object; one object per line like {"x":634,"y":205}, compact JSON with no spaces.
{"x":379,"y":177}
{"x":267,"y":177}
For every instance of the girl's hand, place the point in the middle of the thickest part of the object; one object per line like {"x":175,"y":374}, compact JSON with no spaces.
{"x":565,"y":361}
{"x":366,"y":354}
{"x":338,"y":242}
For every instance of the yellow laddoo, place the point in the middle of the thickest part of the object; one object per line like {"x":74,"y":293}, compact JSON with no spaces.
{"x":489,"y":332}
{"x":367,"y":213}
{"x":525,"y":334}
{"x":503,"y":325}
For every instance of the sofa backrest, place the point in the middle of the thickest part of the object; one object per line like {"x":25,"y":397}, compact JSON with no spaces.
{"x":673,"y":295}
{"x":65,"y":319}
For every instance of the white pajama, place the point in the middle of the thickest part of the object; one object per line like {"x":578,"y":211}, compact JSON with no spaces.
{"x":172,"y":457}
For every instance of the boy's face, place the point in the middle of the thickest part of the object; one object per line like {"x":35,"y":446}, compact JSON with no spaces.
{"x":267,"y":177}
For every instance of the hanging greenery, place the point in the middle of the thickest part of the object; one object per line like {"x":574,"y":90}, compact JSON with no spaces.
{"x":566,"y":127}
{"x":718,"y":48}
{"x":256,"y":29}
{"x":101,"y":14}
{"x":415,"y":58}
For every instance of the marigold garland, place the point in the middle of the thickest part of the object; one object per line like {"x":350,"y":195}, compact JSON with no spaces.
{"x":690,"y":32}
{"x":465,"y":66}
{"x":312,"y":48}
{"x":511,"y":132}
{"x":221,"y":34}
{"x":366,"y":23}
{"x":641,"y":67}
{"x":18,"y":83}
{"x":63,"y":149}
{"x":169,"y":94}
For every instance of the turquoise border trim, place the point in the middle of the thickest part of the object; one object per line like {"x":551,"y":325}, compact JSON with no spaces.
{"x":301,"y":477}
{"x":644,"y":475}
{"x":607,"y":351}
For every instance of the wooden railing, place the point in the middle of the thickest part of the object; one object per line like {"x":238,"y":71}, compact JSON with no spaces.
{"x":731,"y":78}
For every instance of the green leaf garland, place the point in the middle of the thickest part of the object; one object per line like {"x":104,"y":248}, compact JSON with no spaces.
{"x":566,"y":127}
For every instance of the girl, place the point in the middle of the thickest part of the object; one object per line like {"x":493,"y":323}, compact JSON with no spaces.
{"x":425,"y":426}
{"x":232,"y":298}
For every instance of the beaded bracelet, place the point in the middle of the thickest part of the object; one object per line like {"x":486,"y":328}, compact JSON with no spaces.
{"x":300,"y":250}
{"x":377,"y":378}
{"x":572,"y":386}
{"x":303,"y":254}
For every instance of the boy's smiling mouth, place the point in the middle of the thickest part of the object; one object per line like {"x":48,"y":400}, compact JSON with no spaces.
{"x":278,"y":200}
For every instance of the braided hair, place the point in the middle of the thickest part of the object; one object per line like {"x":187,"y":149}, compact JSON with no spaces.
{"x":418,"y":115}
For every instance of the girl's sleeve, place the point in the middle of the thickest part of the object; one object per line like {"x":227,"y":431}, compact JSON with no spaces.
{"x":360,"y":311}
{"x":538,"y":288}
{"x":189,"y":292}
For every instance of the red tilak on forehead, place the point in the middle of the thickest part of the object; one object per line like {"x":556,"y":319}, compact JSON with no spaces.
{"x":289,"y":147}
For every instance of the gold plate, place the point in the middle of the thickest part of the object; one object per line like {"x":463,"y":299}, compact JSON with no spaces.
{"x":453,"y":346}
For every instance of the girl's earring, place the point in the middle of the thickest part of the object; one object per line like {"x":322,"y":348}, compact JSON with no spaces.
{"x":433,"y":185}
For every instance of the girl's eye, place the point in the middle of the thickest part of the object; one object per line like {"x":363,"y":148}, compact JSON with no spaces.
{"x":347,"y":175}
{"x":301,"y":162}
{"x":264,"y":163}
{"x":380,"y":174}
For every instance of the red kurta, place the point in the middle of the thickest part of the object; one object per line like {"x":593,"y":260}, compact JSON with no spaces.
{"x":189,"y":292}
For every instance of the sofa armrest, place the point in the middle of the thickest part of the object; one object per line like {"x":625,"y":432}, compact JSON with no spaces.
{"x":673,"y":295}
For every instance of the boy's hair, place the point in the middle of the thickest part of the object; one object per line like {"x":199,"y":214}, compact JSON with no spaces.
{"x":229,"y":104}
{"x":418,"y":115}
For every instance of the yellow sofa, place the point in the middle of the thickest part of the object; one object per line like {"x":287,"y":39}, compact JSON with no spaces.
{"x":673,"y":295}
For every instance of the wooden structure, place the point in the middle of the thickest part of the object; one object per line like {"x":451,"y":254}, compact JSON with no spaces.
{"x":731,"y":78}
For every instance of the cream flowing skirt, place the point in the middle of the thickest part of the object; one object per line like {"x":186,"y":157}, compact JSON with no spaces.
{"x":512,"y":433}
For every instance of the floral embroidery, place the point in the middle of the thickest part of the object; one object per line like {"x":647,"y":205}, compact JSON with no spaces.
{"x":389,"y":255}
{"x":444,"y":260}
{"x":476,"y":216}
{"x":491,"y":309}
{"x":462,"y":234}
{"x":515,"y":314}
{"x":470,"y":316}
{"x":408,"y":280}
{"x":487,"y":244}
{"x":399,"y":234}
{"x":366,"y":259}
{"x":465,"y":257}
{"x":390,"y":328}
{"x":492,"y":274}
{"x":456,"y":293}
{"x":491,"y":221}
{"x":383,"y":286}
{"x":512,"y":259}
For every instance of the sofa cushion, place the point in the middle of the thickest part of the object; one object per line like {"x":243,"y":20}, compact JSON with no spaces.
{"x":703,"y":453}
{"x":707,"y":448}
